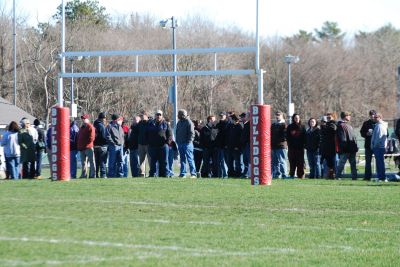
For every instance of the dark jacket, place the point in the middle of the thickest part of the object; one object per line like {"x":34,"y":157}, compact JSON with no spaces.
{"x":101,"y":133}
{"x":234,"y":134}
{"x":245,"y":138}
{"x":158,"y":133}
{"x":367,"y":125}
{"x":296,"y":136}
{"x":313,"y":139}
{"x":41,"y":142}
{"x":347,"y":142}
{"x":142,"y":131}
{"x":115,"y":134}
{"x":208,"y":136}
{"x":133,"y":137}
{"x":222,"y":136}
{"x":197,"y":136}
{"x":184,"y":131}
{"x":278,"y":135}
{"x":328,"y":139}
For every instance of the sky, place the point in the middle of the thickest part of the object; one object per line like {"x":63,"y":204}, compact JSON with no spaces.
{"x":277,"y":17}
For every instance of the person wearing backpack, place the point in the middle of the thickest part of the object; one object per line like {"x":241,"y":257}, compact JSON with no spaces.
{"x":208,"y":136}
{"x":100,"y":145}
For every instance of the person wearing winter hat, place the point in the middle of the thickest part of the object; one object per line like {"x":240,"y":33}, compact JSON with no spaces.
{"x":100,"y":145}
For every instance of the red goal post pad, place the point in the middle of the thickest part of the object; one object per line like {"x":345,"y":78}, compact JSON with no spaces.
{"x":260,"y":145}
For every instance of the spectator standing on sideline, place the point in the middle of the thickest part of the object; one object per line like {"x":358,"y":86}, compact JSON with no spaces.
{"x":184,"y":139}
{"x":159,"y":135}
{"x":296,"y":138}
{"x":143,"y":143}
{"x":100,"y":146}
{"x":27,"y":138}
{"x":313,"y":137}
{"x":234,"y":161}
{"x":221,"y":142}
{"x":125,"y":158}
{"x":197,"y":150}
{"x":328,"y":144}
{"x":347,"y":145}
{"x":366,"y":132}
{"x":85,"y":144}
{"x":40,"y":148}
{"x":245,"y":141}
{"x":12,"y":150}
{"x":379,"y":141}
{"x":73,"y":146}
{"x":133,"y":144}
{"x":115,"y":140}
{"x":279,"y":146}
{"x":208,"y":135}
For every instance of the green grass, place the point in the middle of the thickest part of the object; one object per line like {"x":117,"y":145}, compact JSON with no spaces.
{"x":203,"y":222}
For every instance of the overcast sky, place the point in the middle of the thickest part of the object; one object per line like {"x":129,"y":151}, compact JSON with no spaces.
{"x":277,"y":17}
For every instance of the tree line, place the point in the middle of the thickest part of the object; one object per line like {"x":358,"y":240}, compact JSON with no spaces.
{"x":336,"y":72}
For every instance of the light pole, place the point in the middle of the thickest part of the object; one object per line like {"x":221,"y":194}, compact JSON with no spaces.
{"x":163,"y":24}
{"x":290,"y":59}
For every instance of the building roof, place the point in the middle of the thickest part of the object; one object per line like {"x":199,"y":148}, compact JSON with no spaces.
{"x":9,"y":112}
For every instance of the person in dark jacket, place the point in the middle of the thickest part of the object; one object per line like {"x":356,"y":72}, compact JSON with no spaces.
{"x":279,"y":146}
{"x":133,"y":144}
{"x":143,"y":143}
{"x":245,"y":142}
{"x":208,"y":136}
{"x":328,"y":145}
{"x":197,"y":150}
{"x":296,"y":138}
{"x":115,"y":141}
{"x":184,"y":139}
{"x":40,"y":148}
{"x":221,"y":139}
{"x":347,"y":144}
{"x":100,"y":145}
{"x":234,"y":162}
{"x":313,"y":139}
{"x":366,"y":132}
{"x":159,"y":135}
{"x":73,"y":145}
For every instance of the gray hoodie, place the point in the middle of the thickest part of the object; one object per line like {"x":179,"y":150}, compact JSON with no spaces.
{"x":184,"y":131}
{"x":379,"y":135}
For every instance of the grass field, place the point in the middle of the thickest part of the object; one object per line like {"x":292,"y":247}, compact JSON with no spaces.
{"x":203,"y":222}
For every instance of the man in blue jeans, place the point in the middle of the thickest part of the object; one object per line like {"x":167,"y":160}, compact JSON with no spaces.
{"x":378,"y":145}
{"x":115,"y":140}
{"x":279,"y":146}
{"x":184,"y":139}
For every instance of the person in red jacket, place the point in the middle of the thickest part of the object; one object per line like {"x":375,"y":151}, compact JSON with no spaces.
{"x":86,"y":136}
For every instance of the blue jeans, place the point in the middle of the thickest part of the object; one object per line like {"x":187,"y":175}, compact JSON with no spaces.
{"x":134,"y":162}
{"x":158,"y":156}
{"x":380,"y":163}
{"x":186,"y":154}
{"x":12,"y":165}
{"x":125,"y":161}
{"x":246,"y":161}
{"x":115,"y":163}
{"x":170,"y":169}
{"x":38,"y":169}
{"x":342,"y":161}
{"x":279,"y":166}
{"x":73,"y":162}
{"x":222,"y":168}
{"x":100,"y":156}
{"x":314,"y":162}
{"x":368,"y":159}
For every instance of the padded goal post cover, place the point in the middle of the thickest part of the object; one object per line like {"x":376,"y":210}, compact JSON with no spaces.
{"x":260,"y":145}
{"x":60,"y":150}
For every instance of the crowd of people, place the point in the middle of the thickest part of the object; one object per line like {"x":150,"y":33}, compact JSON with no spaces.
{"x":215,"y":148}
{"x":329,"y":143}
